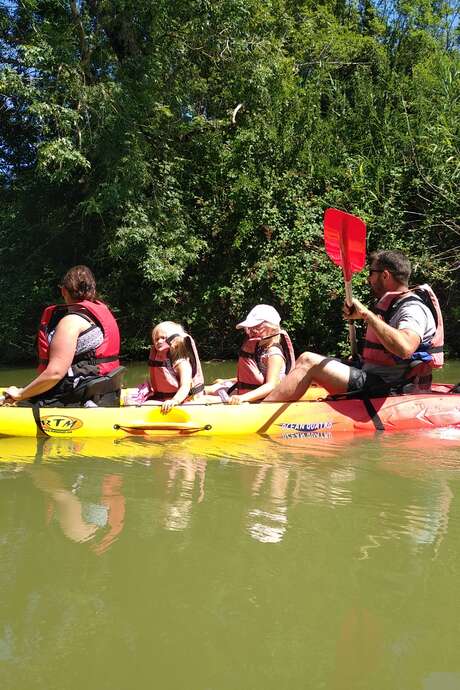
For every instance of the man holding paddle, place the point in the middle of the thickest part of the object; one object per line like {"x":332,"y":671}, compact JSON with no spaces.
{"x":399,"y":338}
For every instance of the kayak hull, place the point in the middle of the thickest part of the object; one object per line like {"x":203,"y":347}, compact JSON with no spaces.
{"x":436,"y":409}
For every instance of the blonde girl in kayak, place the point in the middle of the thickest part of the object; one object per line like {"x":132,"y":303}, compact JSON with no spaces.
{"x":174,"y":366}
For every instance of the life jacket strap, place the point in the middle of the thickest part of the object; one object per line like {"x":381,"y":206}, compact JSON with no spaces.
{"x":246,"y":355}
{"x":433,"y":350}
{"x":160,"y":363}
{"x":86,"y":355}
{"x":372,"y":346}
{"x":248,"y":386}
{"x":91,"y":355}
{"x":428,"y":349}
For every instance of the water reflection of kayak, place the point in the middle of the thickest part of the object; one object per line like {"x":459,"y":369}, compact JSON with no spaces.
{"x":313,"y":418}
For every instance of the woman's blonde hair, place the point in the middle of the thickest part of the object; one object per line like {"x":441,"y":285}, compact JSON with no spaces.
{"x":179,"y":347}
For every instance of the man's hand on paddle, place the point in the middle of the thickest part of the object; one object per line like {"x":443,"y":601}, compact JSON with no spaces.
{"x":355,"y":311}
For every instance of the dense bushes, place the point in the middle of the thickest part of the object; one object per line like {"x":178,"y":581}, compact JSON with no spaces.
{"x":123,"y":146}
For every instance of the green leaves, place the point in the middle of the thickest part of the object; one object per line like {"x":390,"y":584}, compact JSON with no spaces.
{"x":120,"y":148}
{"x":59,"y":161}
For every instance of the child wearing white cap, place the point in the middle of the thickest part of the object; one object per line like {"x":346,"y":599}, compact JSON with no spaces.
{"x":264,"y":359}
{"x":261,"y":313}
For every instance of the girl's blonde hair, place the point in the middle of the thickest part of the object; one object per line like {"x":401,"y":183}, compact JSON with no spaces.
{"x":274,"y":327}
{"x":272,"y":338}
{"x":179,"y":348}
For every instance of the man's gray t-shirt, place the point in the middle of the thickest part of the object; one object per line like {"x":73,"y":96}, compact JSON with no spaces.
{"x":416,"y":317}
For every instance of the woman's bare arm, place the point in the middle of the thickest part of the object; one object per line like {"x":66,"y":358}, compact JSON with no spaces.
{"x":62,"y":351}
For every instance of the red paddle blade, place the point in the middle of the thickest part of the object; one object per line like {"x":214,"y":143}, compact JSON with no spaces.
{"x":345,"y":240}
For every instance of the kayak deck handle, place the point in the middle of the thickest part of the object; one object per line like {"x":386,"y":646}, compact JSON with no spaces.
{"x":162,"y":426}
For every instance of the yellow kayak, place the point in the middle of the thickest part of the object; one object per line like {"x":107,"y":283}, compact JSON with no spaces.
{"x":309,"y":417}
{"x":144,"y":420}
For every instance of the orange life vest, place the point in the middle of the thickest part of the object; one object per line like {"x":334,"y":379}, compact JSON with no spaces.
{"x":164,"y":381}
{"x":426,"y":357}
{"x":249,"y":374}
{"x":105,"y":357}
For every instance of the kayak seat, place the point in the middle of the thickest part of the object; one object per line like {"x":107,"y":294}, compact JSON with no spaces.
{"x":103,"y":391}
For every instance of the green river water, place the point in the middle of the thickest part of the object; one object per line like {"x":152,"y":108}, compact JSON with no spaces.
{"x":223,"y":564}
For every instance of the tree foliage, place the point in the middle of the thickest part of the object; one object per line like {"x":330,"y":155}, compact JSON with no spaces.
{"x":186,"y":151}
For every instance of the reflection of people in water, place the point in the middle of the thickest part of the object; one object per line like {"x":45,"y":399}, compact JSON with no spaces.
{"x":185,"y":475}
{"x":279,"y":486}
{"x":114,"y":501}
{"x":268,"y":521}
{"x":83,"y":521}
{"x":432,"y":527}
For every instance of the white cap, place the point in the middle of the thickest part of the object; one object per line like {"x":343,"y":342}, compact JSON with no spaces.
{"x":259,"y":314}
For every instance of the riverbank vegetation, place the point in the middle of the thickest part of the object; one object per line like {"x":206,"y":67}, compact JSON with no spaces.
{"x":186,"y":151}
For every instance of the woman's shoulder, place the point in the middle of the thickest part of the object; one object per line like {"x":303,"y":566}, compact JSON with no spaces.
{"x":75,"y":320}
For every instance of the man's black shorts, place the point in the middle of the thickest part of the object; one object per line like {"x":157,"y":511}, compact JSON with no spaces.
{"x":367,"y":382}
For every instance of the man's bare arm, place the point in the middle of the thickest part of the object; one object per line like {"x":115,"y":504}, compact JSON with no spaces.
{"x":402,"y":343}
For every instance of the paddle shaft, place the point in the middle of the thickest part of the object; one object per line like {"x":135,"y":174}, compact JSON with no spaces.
{"x":347,"y":274}
{"x":351,"y":325}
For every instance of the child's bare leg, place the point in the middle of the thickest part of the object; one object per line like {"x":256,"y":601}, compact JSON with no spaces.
{"x":212,"y":388}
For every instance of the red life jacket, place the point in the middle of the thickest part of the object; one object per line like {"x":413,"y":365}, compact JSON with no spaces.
{"x":105,"y":357}
{"x":164,"y":380}
{"x":249,"y":374}
{"x":426,"y":357}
